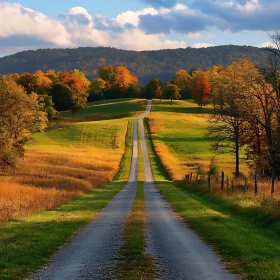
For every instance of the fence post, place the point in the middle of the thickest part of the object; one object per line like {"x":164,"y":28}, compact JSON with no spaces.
{"x":232,"y":186}
{"x":273,"y":181}
{"x":191,"y":178}
{"x":196,"y":177}
{"x":209,"y":181}
{"x":256,"y":185}
{"x":223,"y":180}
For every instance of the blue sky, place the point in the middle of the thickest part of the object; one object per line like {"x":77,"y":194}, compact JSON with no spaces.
{"x":135,"y":24}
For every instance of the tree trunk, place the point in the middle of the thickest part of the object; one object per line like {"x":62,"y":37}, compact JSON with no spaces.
{"x":237,"y":172}
{"x":171,"y":101}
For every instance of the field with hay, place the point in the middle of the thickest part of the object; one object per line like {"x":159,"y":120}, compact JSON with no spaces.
{"x":179,"y":134}
{"x":75,"y":155}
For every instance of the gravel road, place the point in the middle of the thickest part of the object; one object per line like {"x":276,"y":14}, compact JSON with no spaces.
{"x":92,"y":253}
{"x":180,"y":253}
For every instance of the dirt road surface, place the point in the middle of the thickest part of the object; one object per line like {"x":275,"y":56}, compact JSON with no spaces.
{"x":180,"y":253}
{"x":92,"y":253}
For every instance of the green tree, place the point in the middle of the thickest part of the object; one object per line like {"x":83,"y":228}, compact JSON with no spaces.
{"x":20,"y":114}
{"x":154,"y":89}
{"x":171,"y":92}
{"x":95,"y":89}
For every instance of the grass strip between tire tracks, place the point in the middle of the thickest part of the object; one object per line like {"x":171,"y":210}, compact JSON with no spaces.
{"x":27,"y":243}
{"x":247,"y":249}
{"x":133,"y":262}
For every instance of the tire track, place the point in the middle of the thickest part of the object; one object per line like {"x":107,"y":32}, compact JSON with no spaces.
{"x":180,"y":253}
{"x":92,"y":253}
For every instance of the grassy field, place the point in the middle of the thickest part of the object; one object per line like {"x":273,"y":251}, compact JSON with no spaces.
{"x":245,"y":238}
{"x":67,"y":160}
{"x":179,"y":136}
{"x":26,"y":243}
{"x":106,"y":109}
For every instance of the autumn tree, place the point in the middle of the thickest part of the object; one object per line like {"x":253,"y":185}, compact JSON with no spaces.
{"x":122,"y":79}
{"x":106,"y":73}
{"x":215,"y":78}
{"x":20,"y":115}
{"x":227,"y":125}
{"x":82,"y":76}
{"x":202,"y":89}
{"x":171,"y":92}
{"x":184,"y":81}
{"x":69,"y":93}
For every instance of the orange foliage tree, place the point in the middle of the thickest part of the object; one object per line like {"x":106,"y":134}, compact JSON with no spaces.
{"x":201,"y":89}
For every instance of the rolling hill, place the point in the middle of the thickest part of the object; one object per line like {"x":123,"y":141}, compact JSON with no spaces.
{"x":146,"y":64}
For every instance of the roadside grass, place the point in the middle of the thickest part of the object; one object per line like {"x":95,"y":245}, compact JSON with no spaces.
{"x":179,"y":137}
{"x":67,"y":160}
{"x":62,"y":164}
{"x":133,"y":262}
{"x":247,"y":240}
{"x":105,"y":110}
{"x":27,"y":243}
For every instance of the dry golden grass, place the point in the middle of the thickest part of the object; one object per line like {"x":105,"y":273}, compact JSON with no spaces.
{"x":47,"y":179}
{"x":62,"y":163}
{"x":180,"y":141}
{"x":17,"y":200}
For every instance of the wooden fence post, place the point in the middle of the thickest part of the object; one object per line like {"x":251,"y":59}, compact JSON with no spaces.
{"x":256,"y":185}
{"x":191,"y":178}
{"x":273,"y":182}
{"x":223,"y":180}
{"x":232,"y":186}
{"x":209,"y":181}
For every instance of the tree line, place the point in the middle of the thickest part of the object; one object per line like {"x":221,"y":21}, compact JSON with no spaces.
{"x":146,"y":64}
{"x":246,"y":101}
{"x":245,"y":97}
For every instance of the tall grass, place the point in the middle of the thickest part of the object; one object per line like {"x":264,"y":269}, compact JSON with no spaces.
{"x":179,"y":138}
{"x":180,"y":142}
{"x":67,"y":160}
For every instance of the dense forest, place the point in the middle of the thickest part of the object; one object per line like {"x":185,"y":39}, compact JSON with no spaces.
{"x":146,"y":64}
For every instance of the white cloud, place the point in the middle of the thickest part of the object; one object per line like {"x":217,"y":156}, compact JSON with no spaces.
{"x":137,"y":40}
{"x":131,"y":17}
{"x":18,"y":21}
{"x":251,"y":6}
{"x":201,"y":45}
{"x":265,"y":45}
{"x":194,"y":35}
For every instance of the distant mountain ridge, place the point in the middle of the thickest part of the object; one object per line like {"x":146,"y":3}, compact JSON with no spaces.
{"x":145,"y":64}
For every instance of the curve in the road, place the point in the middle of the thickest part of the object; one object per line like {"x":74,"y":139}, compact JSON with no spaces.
{"x":92,"y":253}
{"x":180,"y":253}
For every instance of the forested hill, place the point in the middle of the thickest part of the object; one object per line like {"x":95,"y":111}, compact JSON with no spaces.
{"x":146,"y":64}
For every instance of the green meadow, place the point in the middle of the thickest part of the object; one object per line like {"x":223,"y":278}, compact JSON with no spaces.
{"x":74,"y":157}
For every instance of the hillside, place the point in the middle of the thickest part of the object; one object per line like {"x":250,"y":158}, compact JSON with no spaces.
{"x":146,"y":64}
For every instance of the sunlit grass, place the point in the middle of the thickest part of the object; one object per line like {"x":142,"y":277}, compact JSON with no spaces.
{"x":179,"y":136}
{"x":66,"y":161}
{"x":27,"y":243}
{"x":246,"y":238}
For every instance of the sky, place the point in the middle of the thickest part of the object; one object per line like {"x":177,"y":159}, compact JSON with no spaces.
{"x":136,"y":24}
